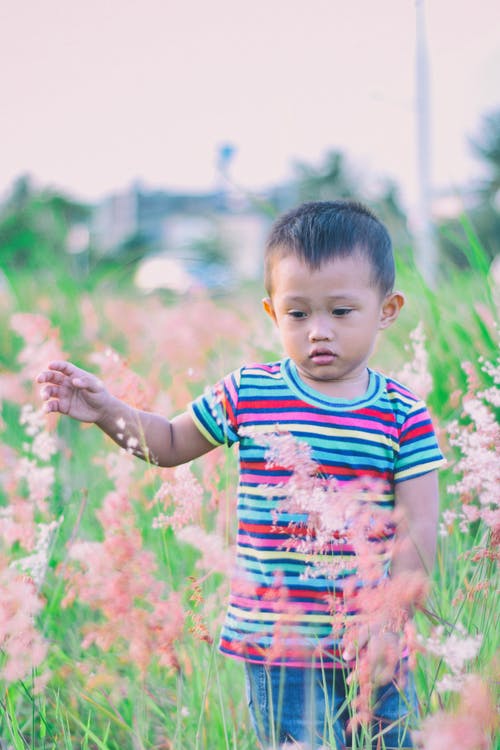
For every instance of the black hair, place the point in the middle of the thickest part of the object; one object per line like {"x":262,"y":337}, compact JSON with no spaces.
{"x":322,"y":230}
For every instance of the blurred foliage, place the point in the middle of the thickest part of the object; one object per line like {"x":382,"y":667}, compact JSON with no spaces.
{"x":36,"y":224}
{"x":336,"y":179}
{"x":483,"y":212}
{"x":211,"y":249}
{"x":487,"y":148}
{"x":34,"y":228}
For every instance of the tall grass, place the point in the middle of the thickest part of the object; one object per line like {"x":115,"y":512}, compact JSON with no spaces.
{"x":97,"y":695}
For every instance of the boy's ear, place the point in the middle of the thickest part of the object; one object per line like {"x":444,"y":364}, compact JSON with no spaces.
{"x":391,"y":307}
{"x":268,"y":307}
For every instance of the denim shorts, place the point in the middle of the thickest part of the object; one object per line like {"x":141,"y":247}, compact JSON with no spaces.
{"x":310,"y":706}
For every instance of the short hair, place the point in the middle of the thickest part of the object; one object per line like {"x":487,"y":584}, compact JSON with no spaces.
{"x":319,"y":231}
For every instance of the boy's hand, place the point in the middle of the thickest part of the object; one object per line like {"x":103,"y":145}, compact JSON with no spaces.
{"x":72,"y":391}
{"x":380,"y":650}
{"x":152,"y":437}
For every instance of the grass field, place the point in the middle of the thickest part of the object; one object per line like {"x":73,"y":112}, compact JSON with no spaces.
{"x":109,"y":619}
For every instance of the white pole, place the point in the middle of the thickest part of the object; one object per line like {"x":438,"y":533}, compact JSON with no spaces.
{"x":425,"y":237}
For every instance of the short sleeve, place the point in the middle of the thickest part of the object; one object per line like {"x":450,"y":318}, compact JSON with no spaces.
{"x":215,"y":411}
{"x":419,"y":450}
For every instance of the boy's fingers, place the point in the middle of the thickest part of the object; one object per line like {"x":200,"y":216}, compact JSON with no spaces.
{"x":383,"y":672}
{"x":353,"y":648}
{"x":48,"y":392}
{"x":57,"y":372}
{"x":89,"y":382}
{"x":62,"y":366}
{"x":51,"y":376}
{"x":51,"y":406}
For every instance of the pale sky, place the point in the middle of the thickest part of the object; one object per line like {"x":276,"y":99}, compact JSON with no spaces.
{"x":97,"y":93}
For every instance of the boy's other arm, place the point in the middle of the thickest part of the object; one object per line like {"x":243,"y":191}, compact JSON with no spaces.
{"x":417,"y":505}
{"x":79,"y":394}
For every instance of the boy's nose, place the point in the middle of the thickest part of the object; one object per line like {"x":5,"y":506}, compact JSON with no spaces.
{"x":320,"y":330}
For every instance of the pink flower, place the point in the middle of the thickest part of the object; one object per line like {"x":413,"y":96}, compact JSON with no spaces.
{"x":184,"y":494}
{"x":17,"y":523}
{"x":122,"y":381}
{"x":470,"y":727}
{"x":478,"y":442}
{"x":42,"y":343}
{"x":33,"y":420}
{"x":116,"y":577}
{"x":216,"y":557}
{"x":39,"y":481}
{"x":415,"y":374}
{"x":23,"y":646}
{"x":119,"y":466}
{"x":455,"y":650}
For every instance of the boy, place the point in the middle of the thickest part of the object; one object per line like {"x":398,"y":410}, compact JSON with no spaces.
{"x":329,"y":274}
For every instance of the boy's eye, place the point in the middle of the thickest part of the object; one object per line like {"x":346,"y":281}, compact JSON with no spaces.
{"x":341,"y":312}
{"x":296,"y":314}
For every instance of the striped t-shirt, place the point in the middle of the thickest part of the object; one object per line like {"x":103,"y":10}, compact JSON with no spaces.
{"x":280,"y":605}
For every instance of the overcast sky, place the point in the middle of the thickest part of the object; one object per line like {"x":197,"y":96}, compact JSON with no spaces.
{"x":97,"y":93}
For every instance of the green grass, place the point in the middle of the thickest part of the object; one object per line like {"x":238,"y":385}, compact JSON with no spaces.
{"x":96,"y":698}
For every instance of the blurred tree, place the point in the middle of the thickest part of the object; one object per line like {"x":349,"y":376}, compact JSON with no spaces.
{"x":331,"y":181}
{"x":388,"y":207}
{"x":34,"y":227}
{"x":119,"y":266}
{"x":20,"y":193}
{"x":210,"y":250}
{"x":487,"y":149}
{"x":483,"y":211}
{"x":334,"y":179}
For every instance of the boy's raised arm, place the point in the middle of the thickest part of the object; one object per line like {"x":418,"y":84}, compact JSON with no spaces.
{"x":80,"y":394}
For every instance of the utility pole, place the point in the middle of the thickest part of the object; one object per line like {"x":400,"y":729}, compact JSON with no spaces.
{"x":425,"y":236}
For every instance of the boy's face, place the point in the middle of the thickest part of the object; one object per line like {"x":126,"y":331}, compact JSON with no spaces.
{"x":329,"y":318}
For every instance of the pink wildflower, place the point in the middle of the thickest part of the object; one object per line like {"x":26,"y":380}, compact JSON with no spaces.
{"x":491,"y":395}
{"x":116,"y":577}
{"x":348,"y":513}
{"x":479,"y":464}
{"x":23,"y":646}
{"x":470,"y":727}
{"x":480,"y":447}
{"x":385,"y":606}
{"x":44,"y":446}
{"x":90,"y":320}
{"x":42,"y":343}
{"x":415,"y":374}
{"x":185,"y":494}
{"x":11,"y":389}
{"x":206,"y":624}
{"x":121,"y":380}
{"x":17,"y":523}
{"x":219,"y":476}
{"x":334,"y":511}
{"x":455,"y":650}
{"x":119,"y":466}
{"x":32,"y":420}
{"x":39,"y":481}
{"x":216,"y":557}
{"x":478,"y":441}
{"x":35,"y":565}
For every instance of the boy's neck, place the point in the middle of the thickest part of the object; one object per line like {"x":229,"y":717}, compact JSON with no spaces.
{"x":349,"y":388}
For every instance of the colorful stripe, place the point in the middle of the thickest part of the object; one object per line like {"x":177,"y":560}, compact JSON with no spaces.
{"x":280,"y":606}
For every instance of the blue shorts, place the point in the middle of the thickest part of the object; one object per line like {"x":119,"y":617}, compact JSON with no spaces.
{"x":310,"y":706}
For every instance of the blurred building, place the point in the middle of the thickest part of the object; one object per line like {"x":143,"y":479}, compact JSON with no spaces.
{"x":211,"y":227}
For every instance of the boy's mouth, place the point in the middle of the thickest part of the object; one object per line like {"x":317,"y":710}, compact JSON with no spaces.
{"x":322,"y":356}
